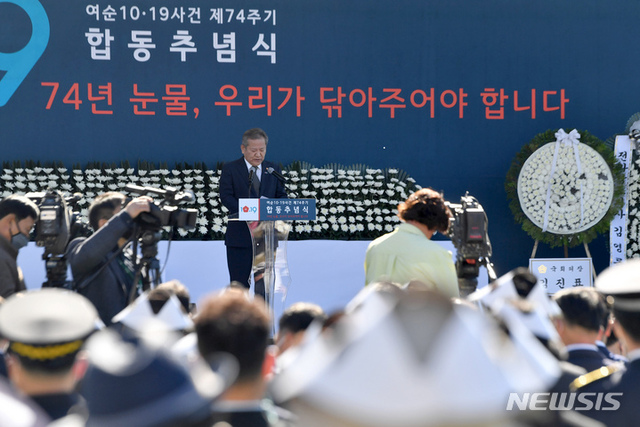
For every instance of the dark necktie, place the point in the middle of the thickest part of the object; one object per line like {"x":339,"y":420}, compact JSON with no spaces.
{"x":255,"y":184}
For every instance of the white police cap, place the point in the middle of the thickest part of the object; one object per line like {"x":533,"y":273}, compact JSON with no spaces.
{"x":621,"y":284}
{"x":46,"y":317}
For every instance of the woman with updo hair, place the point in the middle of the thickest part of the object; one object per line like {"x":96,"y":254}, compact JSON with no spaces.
{"x":408,"y":254}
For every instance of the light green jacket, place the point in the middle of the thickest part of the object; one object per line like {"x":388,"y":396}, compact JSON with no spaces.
{"x":407,"y":254}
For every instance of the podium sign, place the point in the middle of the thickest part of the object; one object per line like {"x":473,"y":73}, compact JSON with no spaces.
{"x":277,"y":209}
{"x":288,"y":209}
{"x":267,"y":222}
{"x":555,"y":274}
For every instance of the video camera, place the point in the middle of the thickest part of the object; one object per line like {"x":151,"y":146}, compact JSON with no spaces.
{"x":469,"y":235}
{"x":57,"y":224}
{"x":167,"y":213}
{"x":149,"y":225}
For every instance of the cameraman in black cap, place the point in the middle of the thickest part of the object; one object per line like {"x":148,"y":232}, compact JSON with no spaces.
{"x":103,"y":269}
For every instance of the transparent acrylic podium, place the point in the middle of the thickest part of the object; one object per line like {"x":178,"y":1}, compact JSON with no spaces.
{"x":268,"y":221}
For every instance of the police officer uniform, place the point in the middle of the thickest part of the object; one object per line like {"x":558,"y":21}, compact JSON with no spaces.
{"x":620,"y":383}
{"x":46,"y":329}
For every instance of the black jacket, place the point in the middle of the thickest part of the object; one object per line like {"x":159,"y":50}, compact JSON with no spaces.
{"x":234,"y":185}
{"x":110,"y":289}
{"x":10,"y":275}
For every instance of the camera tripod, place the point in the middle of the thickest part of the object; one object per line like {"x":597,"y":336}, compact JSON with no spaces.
{"x":468,"y":270}
{"x":147,"y":267}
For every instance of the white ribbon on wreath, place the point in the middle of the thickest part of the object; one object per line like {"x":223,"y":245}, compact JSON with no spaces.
{"x":571,"y":139}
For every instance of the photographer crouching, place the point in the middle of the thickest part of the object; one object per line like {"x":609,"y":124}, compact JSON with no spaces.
{"x":103,"y":268}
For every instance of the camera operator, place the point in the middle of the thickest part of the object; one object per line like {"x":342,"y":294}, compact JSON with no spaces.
{"x":18,"y":215}
{"x":103,"y":269}
{"x":408,"y":254}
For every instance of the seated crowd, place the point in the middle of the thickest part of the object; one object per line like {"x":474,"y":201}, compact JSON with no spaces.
{"x":409,"y":350}
{"x":402,"y":355}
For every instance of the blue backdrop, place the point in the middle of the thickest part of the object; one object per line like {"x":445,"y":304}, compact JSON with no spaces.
{"x":471,"y":83}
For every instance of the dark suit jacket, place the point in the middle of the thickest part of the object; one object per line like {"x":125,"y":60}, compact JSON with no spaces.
{"x":588,"y":359}
{"x":234,"y":185}
{"x":58,"y":405}
{"x":10,"y":274}
{"x":625,"y":383}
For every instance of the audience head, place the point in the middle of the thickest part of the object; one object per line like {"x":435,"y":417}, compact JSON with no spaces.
{"x":581,"y":307}
{"x":231,"y":323}
{"x":161,"y":294}
{"x":294,"y":322}
{"x":427,"y":207}
{"x":582,"y":315}
{"x":524,"y":281}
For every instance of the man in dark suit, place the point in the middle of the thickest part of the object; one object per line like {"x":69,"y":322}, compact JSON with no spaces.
{"x":248,"y":177}
{"x":582,"y":315}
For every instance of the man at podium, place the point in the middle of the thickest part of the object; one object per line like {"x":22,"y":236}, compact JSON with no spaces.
{"x":248,"y":177}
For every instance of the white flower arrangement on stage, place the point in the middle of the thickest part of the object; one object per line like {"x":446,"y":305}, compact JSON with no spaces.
{"x":565,"y":192}
{"x":565,"y":187}
{"x":352,"y":202}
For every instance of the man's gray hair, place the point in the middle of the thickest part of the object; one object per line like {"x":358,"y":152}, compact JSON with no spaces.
{"x":255,"y":133}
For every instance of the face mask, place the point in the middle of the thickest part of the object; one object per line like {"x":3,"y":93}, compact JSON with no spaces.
{"x":19,"y":241}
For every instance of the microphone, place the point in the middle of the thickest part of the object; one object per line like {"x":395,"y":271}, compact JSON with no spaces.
{"x":277,"y":174}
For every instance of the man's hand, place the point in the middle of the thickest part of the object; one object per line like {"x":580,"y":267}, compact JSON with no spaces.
{"x":138,"y":205}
